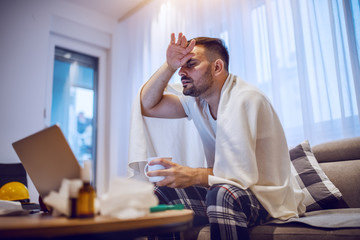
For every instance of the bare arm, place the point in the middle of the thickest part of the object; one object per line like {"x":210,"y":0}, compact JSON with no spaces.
{"x":153,"y":102}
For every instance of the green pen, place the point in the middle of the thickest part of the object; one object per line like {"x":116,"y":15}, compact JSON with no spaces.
{"x":164,"y":207}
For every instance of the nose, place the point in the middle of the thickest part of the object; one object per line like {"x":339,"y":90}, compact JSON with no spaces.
{"x":182,"y":72}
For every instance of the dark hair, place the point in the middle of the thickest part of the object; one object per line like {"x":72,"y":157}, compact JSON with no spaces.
{"x":215,"y":45}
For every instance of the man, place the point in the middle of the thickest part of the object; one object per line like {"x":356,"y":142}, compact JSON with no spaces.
{"x":249,"y":176}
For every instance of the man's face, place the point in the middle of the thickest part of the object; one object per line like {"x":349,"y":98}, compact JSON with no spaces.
{"x":196,"y":74}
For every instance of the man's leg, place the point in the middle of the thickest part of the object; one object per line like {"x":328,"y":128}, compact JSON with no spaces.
{"x":192,"y":198}
{"x":231,"y":211}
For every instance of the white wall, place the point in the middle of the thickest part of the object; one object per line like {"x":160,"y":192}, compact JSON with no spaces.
{"x":25,"y":29}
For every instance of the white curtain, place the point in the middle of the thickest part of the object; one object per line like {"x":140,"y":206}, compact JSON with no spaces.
{"x":303,"y":54}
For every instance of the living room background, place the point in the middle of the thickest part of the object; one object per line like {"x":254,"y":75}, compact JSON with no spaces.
{"x":304,"y":55}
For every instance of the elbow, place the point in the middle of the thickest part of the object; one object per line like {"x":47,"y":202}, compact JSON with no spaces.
{"x":145,"y":111}
{"x":148,"y":110}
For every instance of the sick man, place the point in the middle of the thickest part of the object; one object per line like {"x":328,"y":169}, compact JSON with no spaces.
{"x":248,"y":179}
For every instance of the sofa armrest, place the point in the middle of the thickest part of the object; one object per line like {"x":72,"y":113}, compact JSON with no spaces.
{"x":339,"y":150}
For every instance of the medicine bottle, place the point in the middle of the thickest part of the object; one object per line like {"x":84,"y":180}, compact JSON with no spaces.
{"x":86,"y":197}
{"x":75,"y":185}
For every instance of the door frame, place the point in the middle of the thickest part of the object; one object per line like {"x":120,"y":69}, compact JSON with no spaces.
{"x":57,"y":40}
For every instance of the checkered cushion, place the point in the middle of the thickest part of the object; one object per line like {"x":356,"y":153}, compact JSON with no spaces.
{"x":320,"y":192}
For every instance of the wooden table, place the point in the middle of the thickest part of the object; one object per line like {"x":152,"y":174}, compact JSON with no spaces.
{"x":37,"y":226}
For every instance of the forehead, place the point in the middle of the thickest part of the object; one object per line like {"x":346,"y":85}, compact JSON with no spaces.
{"x":199,"y":52}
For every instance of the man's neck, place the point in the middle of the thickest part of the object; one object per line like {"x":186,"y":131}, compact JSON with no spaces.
{"x":213,"y":98}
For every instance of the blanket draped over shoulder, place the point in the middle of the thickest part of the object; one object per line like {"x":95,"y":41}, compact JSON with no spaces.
{"x":251,"y":150}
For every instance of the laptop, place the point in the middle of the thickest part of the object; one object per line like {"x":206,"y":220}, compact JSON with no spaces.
{"x":48,"y":159}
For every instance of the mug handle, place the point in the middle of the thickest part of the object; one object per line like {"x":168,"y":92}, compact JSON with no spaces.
{"x":145,"y":169}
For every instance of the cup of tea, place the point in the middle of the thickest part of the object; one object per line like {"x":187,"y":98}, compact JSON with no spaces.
{"x":149,"y":168}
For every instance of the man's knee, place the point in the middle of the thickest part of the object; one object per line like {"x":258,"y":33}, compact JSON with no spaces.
{"x":222,"y":192}
{"x":223,"y":203}
{"x":227,"y":195}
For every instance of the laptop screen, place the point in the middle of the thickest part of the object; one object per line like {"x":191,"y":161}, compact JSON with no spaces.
{"x":48,"y":159}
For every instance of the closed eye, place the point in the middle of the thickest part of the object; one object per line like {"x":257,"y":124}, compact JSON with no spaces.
{"x":190,"y":64}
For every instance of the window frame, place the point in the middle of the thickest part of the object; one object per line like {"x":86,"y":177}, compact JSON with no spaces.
{"x":56,"y":40}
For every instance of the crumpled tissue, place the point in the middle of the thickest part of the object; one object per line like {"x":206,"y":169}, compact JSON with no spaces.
{"x":128,"y":198}
{"x":59,"y":201}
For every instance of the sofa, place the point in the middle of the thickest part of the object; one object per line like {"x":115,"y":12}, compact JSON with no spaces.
{"x":340,"y":162}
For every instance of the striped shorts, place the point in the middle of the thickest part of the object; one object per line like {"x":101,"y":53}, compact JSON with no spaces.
{"x":228,"y":210}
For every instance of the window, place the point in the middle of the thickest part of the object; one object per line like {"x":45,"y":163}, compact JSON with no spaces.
{"x":74,"y":101}
{"x":303,"y":65}
{"x":304,"y":55}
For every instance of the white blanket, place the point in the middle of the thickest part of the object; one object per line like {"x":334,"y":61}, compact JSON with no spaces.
{"x":150,"y":137}
{"x":251,"y":150}
{"x":340,"y":218}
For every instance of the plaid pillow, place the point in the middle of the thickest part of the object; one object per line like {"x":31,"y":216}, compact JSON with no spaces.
{"x":320,"y":192}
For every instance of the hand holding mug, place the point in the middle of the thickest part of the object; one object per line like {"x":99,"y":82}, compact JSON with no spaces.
{"x":154,"y":167}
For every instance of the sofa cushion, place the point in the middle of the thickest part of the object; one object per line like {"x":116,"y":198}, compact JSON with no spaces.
{"x":339,"y":150}
{"x":320,"y":192}
{"x":346,"y":177}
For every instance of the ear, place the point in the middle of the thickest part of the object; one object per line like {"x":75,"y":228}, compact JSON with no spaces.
{"x":218,"y":66}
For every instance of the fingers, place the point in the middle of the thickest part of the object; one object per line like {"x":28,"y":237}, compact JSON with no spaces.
{"x":186,"y":58}
{"x":191,"y":45}
{"x":180,"y":36}
{"x":169,"y":181}
{"x":182,"y":41}
{"x":155,"y":173}
{"x":162,"y":161}
{"x":179,"y":51}
{"x":172,"y":41}
{"x":175,"y":177}
{"x":188,"y":50}
{"x":162,"y":172}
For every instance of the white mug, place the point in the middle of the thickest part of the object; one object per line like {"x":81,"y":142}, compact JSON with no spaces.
{"x":155,"y":167}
